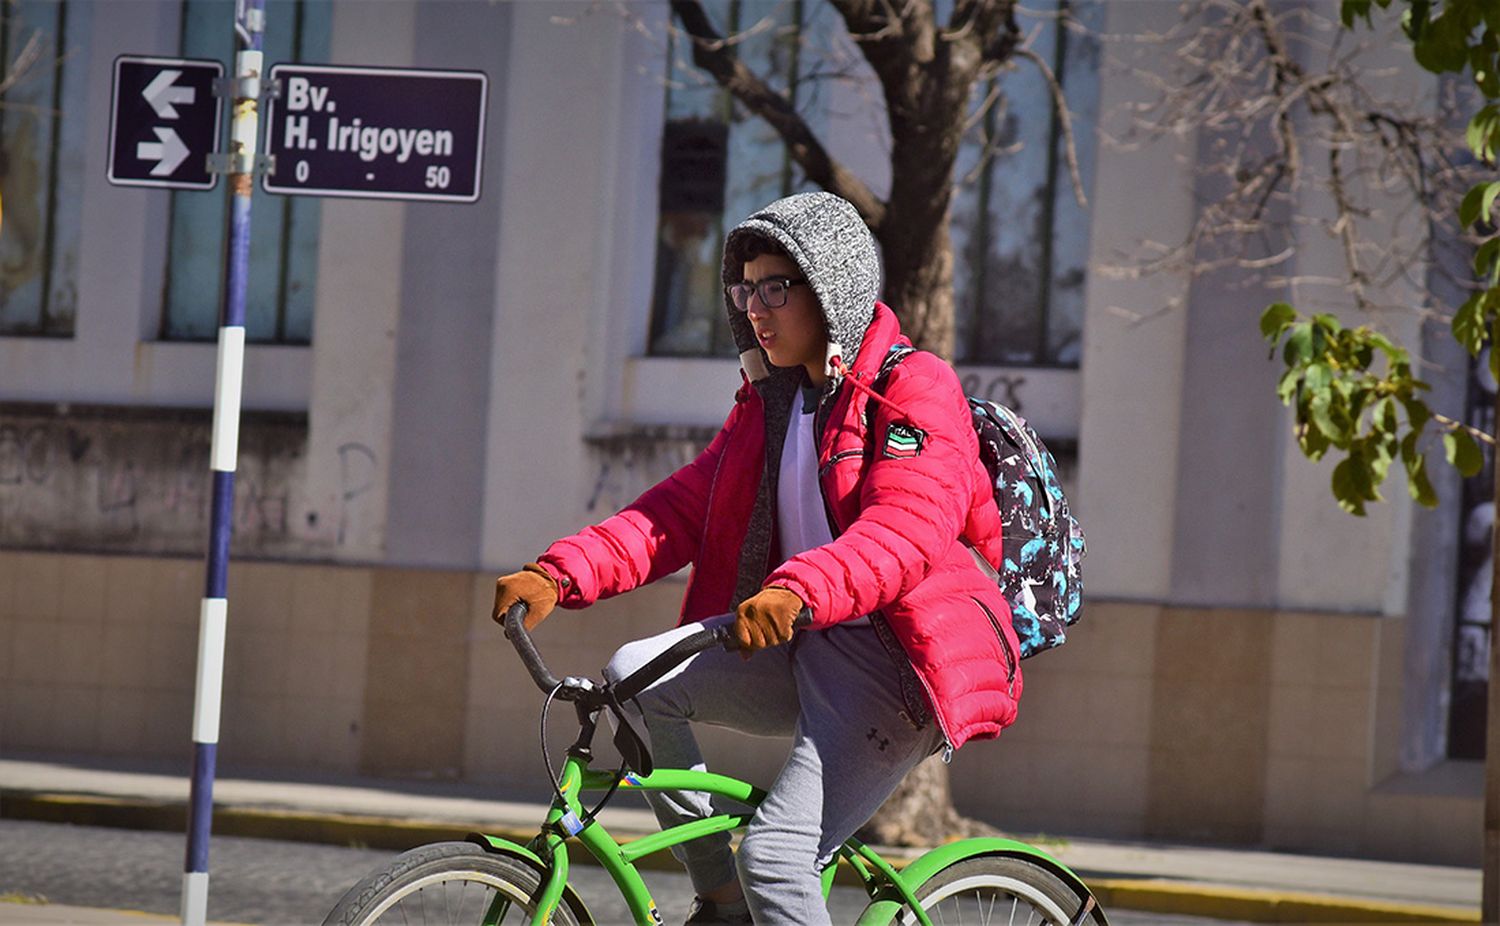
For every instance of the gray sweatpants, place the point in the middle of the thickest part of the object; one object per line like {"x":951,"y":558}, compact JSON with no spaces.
{"x":838,"y":695}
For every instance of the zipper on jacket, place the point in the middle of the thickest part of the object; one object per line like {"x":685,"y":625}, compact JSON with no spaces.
{"x":1010,"y":657}
{"x":841,"y":455}
{"x":932,"y":701}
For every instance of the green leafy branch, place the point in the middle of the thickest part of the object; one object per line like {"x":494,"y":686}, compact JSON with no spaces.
{"x":1372,"y":413}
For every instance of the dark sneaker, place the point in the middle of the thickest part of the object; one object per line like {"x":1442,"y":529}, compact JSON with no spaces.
{"x":707,"y":912}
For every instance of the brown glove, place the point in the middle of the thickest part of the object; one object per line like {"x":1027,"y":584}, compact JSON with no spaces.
{"x":533,"y":585}
{"x":765,"y":619}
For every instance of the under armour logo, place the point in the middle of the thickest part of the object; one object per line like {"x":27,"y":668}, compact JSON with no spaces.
{"x":874,"y":734}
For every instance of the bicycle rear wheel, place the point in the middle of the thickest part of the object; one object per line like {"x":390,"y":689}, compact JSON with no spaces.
{"x":996,"y":889}
{"x":449,"y":883}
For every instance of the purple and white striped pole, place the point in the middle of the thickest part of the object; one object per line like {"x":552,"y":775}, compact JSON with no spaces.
{"x":249,"y":26}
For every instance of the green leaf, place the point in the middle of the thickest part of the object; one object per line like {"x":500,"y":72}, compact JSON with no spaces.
{"x":1299,"y":345}
{"x":1417,"y":415}
{"x":1409,"y":454}
{"x":1491,"y":191}
{"x":1385,"y":344}
{"x":1495,"y":349}
{"x":1277,"y":318}
{"x":1287,"y":388}
{"x":1468,"y":325}
{"x":1329,"y":323}
{"x":1313,"y":441}
{"x":1347,"y":489}
{"x":1321,"y":415}
{"x":1318,"y":377}
{"x":1351,"y":10}
{"x":1385,"y":414}
{"x":1484,"y":256}
{"x":1418,"y":484}
{"x":1468,"y":210}
{"x":1463,"y":452}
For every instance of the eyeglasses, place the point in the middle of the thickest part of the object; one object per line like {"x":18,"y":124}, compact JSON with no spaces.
{"x":772,"y":292}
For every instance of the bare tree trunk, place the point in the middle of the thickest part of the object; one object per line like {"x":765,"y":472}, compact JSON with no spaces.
{"x":921,"y":812}
{"x":919,"y":281}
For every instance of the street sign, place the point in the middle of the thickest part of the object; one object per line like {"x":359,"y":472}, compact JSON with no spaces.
{"x":380,"y":133}
{"x":164,"y":122}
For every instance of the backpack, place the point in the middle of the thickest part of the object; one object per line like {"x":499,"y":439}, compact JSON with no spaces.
{"x":1041,"y":577}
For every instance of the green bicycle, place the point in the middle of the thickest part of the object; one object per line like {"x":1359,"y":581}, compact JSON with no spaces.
{"x":488,"y":880}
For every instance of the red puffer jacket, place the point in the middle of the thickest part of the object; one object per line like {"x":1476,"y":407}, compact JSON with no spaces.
{"x":897,"y":518}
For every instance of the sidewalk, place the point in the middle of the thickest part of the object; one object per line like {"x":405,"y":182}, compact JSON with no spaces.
{"x":1257,"y":886}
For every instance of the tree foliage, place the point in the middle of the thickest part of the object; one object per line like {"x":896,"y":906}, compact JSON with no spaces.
{"x":1353,"y":389}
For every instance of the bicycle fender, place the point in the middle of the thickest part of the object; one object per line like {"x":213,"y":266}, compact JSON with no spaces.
{"x":930,"y":863}
{"x":501,"y":846}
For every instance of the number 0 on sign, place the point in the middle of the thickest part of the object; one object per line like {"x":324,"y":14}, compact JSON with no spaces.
{"x":381,"y":133}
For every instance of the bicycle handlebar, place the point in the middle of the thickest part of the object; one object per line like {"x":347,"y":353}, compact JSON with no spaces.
{"x":520,"y":638}
{"x":637,"y":681}
{"x":626,"y":688}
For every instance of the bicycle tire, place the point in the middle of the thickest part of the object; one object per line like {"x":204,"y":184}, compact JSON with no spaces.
{"x":996,"y":889}
{"x":458,"y":880}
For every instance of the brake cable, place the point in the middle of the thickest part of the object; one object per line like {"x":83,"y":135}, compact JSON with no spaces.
{"x":589,"y":816}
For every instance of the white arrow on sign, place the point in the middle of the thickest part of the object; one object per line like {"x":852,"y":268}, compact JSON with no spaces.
{"x":162,"y":93}
{"x":170,"y":152}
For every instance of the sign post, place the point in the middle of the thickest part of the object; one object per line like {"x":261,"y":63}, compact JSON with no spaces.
{"x":377,"y":133}
{"x":240,"y":163}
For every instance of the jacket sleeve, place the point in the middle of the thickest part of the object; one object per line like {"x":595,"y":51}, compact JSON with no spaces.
{"x":654,"y":536}
{"x":912,"y":505}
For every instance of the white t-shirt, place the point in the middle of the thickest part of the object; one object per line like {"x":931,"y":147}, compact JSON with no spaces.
{"x":800,"y":514}
{"x":799,"y":502}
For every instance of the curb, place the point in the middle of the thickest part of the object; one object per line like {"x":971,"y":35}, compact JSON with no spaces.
{"x":1157,"y":895}
{"x":1143,"y":894}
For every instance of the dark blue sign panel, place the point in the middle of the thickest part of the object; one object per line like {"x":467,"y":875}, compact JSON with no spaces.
{"x":381,"y":133}
{"x":164,"y":122}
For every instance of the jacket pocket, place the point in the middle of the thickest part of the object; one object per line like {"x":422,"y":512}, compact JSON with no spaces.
{"x":1005,"y":647}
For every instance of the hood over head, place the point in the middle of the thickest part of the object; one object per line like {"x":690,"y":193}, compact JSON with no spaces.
{"x":825,"y":236}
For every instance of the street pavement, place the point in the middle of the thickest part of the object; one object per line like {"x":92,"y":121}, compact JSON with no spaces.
{"x":1161,"y":881}
{"x":92,"y":875}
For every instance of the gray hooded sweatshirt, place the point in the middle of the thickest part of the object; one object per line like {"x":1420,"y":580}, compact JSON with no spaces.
{"x":835,"y":251}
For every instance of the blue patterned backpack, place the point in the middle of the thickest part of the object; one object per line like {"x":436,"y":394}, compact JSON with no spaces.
{"x":1042,"y":575}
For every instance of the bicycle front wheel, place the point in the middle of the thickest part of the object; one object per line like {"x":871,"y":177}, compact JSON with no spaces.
{"x":996,"y":889}
{"x":448,"y":883}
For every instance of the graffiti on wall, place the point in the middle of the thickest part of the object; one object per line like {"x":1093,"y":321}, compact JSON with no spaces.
{"x":137,"y":480}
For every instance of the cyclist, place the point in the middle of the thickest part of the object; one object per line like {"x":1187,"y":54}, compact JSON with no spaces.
{"x":866,"y":509}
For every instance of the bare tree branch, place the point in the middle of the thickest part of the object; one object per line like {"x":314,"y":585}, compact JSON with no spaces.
{"x":711,"y":54}
{"x":1064,"y":118}
{"x":25,"y":60}
{"x":1265,"y":91}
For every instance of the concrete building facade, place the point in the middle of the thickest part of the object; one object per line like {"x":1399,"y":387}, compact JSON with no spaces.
{"x":1254,"y":666}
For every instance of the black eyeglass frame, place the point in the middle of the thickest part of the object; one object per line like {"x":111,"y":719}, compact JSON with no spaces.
{"x":773,"y":298}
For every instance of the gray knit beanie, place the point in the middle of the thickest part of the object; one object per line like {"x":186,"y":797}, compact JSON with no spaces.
{"x":826,"y":237}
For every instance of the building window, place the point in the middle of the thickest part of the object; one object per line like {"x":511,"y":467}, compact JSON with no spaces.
{"x":718,"y":162}
{"x":42,"y":143}
{"x":1020,"y":238}
{"x":283,"y":229}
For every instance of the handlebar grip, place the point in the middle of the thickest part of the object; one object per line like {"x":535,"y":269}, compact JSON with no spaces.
{"x":520,"y":637}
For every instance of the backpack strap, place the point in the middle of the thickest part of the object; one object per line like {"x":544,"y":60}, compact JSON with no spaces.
{"x":894,"y":357}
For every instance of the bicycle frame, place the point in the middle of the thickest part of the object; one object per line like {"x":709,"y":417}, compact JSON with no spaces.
{"x":550,"y":848}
